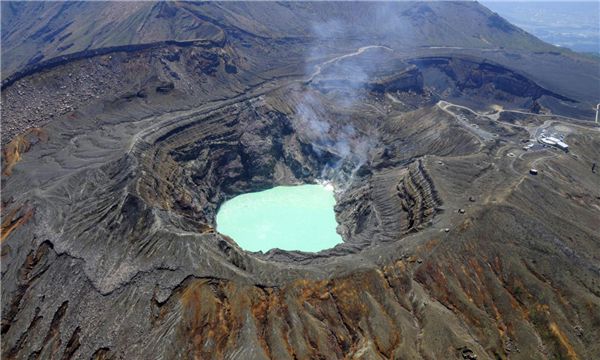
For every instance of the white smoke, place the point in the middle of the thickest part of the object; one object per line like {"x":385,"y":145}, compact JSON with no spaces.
{"x":313,"y":120}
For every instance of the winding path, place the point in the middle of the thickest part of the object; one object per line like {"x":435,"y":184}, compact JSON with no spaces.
{"x":320,"y":67}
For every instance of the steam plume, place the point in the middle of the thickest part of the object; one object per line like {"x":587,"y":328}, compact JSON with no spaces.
{"x":336,"y":136}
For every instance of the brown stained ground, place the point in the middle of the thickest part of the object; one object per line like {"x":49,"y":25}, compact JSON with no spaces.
{"x":13,"y":151}
{"x":13,"y":219}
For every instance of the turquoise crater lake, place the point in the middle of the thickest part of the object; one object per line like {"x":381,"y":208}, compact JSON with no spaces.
{"x":285,"y":217}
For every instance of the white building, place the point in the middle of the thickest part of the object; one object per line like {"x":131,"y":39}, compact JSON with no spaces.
{"x":552,"y":141}
{"x":547,"y":141}
{"x":559,"y":144}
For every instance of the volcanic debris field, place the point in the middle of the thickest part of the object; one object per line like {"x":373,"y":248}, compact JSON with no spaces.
{"x":117,"y":152}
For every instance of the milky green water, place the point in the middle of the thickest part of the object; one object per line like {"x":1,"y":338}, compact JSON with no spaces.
{"x":285,"y":217}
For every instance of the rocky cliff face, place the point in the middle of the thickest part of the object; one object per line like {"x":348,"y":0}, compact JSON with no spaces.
{"x":451,"y":249}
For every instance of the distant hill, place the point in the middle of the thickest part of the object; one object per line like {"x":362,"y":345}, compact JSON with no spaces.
{"x":36,"y":31}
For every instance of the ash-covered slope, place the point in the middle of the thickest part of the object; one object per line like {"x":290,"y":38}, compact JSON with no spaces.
{"x":36,"y":31}
{"x":37,"y":35}
{"x":116,"y":160}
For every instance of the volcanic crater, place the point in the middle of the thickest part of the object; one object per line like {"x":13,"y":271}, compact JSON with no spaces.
{"x":116,"y":158}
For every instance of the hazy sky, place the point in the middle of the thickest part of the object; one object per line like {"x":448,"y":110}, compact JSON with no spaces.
{"x":572,"y":24}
